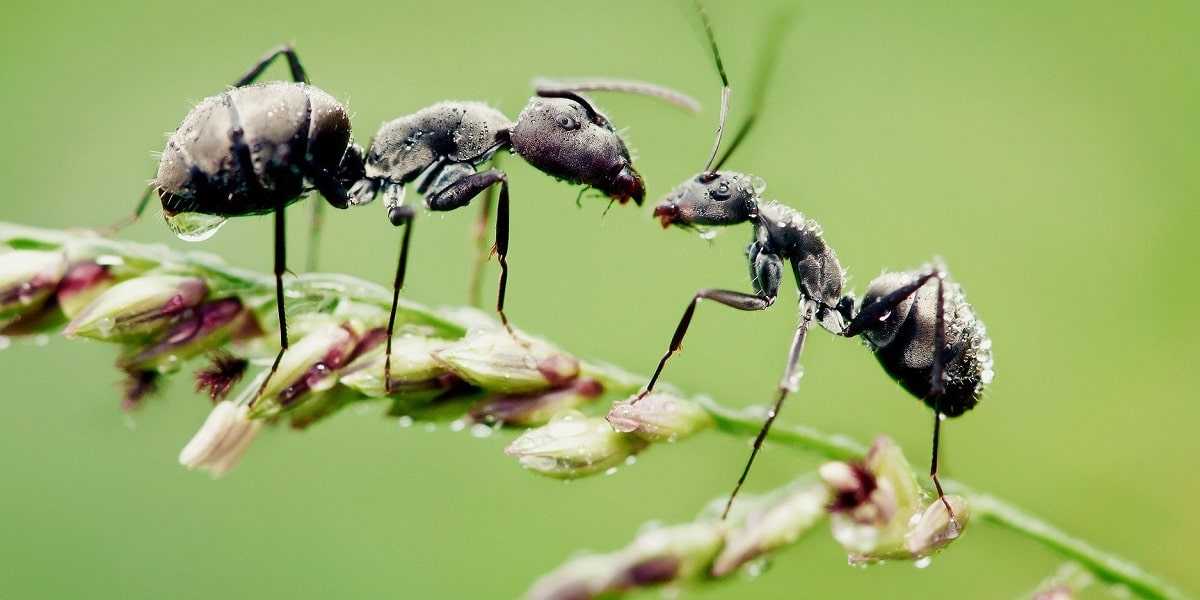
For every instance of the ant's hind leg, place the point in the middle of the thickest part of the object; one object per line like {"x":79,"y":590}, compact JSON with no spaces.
{"x":938,"y":387}
{"x":883,"y":306}
{"x":298,"y":74}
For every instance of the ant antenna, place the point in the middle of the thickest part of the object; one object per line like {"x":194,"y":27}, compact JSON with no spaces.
{"x":627,"y":86}
{"x":767,"y":57}
{"x":725,"y":89}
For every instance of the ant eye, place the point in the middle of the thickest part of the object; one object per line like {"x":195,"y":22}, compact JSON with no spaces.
{"x":721,"y":192}
{"x":567,"y":122}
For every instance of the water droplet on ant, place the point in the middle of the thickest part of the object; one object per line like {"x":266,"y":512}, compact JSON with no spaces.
{"x":194,"y":227}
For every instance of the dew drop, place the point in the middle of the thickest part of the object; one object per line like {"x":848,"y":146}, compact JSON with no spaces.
{"x":458,"y":425}
{"x":5,"y":342}
{"x":405,"y":422}
{"x":923,"y":562}
{"x":430,"y":427}
{"x":631,"y":460}
{"x":194,"y":227}
{"x":610,"y":471}
{"x":480,"y":430}
{"x":41,"y":340}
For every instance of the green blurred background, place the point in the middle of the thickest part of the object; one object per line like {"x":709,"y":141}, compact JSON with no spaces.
{"x":1047,"y":150}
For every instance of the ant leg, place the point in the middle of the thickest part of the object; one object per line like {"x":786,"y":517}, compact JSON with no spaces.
{"x":298,"y":74}
{"x":738,"y":300}
{"x":479,"y":236}
{"x":133,"y":218}
{"x":787,"y":384}
{"x":879,"y":309}
{"x":459,"y":194}
{"x":937,"y":388}
{"x":280,"y":269}
{"x":399,"y":216}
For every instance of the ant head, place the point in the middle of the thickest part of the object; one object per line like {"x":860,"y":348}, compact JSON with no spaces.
{"x":716,"y":198}
{"x":565,"y":137}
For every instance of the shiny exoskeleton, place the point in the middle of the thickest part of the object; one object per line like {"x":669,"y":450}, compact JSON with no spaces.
{"x":918,"y":324}
{"x":441,"y":149}
{"x":252,"y":150}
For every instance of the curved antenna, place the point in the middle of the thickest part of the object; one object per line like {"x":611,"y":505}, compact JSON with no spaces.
{"x":767,"y":57}
{"x":627,"y":86}
{"x":726,"y":91}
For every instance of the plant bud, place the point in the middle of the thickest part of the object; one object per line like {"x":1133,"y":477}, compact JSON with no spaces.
{"x":138,"y":308}
{"x":880,"y":513}
{"x":779,"y":522}
{"x":571,"y":446}
{"x":222,"y":440}
{"x":659,"y":417}
{"x":84,"y":282}
{"x":538,"y":408}
{"x":27,"y":280}
{"x":197,"y":331}
{"x":494,"y":361}
{"x":414,"y":369}
{"x":936,"y":529}
{"x":657,"y":557}
{"x":309,"y":365}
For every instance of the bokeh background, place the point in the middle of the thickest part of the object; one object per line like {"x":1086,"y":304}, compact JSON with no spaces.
{"x":1047,"y":150}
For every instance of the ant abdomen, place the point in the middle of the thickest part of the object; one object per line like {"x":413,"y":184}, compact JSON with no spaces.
{"x":285,"y":131}
{"x":904,"y":339}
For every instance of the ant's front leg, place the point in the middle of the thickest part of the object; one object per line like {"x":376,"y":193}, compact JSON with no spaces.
{"x":459,"y":194}
{"x":766,"y":271}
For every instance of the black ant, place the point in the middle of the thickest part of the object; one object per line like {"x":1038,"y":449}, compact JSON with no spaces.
{"x":918,"y":324}
{"x":255,"y":149}
{"x":440,"y":148}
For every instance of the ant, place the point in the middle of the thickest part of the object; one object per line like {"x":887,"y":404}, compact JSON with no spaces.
{"x":917,"y":323}
{"x":439,"y":149}
{"x":255,"y":149}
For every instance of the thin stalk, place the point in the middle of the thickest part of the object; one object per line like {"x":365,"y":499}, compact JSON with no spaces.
{"x":1105,"y":566}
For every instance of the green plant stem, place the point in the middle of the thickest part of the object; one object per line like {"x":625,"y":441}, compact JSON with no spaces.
{"x":1105,"y":566}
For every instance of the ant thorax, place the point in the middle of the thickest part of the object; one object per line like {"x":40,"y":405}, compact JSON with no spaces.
{"x":787,"y":231}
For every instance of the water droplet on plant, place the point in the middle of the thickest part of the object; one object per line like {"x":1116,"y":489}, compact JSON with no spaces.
{"x":480,"y":430}
{"x":759,"y":184}
{"x":756,"y":567}
{"x":405,"y":421}
{"x":41,"y":340}
{"x":610,"y":471}
{"x":923,"y":562}
{"x":430,"y":427}
{"x":458,"y":425}
{"x":630,"y":460}
{"x":5,"y":342}
{"x":194,"y":227}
